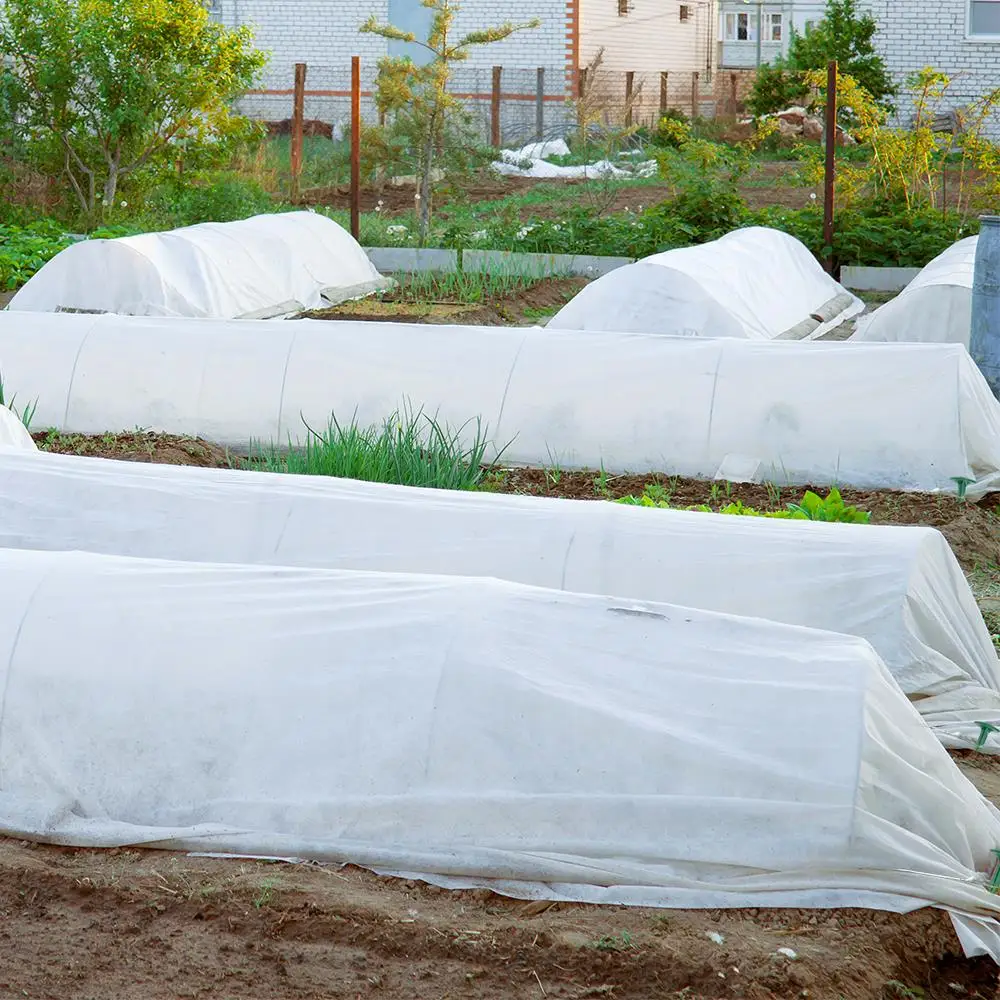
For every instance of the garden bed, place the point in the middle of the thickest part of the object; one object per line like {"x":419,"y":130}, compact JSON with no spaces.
{"x":477,"y":300}
{"x":130,"y":923}
{"x":973,"y":529}
{"x":135,"y":924}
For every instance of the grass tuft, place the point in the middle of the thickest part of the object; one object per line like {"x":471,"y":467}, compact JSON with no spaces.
{"x":409,"y":448}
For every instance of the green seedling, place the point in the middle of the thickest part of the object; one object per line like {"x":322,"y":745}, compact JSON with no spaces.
{"x":963,"y":483}
{"x":986,"y":729}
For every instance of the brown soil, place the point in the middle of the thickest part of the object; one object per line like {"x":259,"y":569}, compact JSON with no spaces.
{"x":137,"y":446}
{"x":525,"y":307}
{"x":146,"y":925}
{"x":396,"y":199}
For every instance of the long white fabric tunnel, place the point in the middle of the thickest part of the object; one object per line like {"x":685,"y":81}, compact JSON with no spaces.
{"x":436,"y":725}
{"x":754,"y":283}
{"x":934,"y":308}
{"x":868,"y":415}
{"x":899,"y":588}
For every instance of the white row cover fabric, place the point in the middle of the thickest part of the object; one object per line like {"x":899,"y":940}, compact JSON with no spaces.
{"x":865,"y":415}
{"x":13,"y":433}
{"x":755,"y":283}
{"x":530,"y":161}
{"x":562,"y":744}
{"x":934,"y":308}
{"x":899,"y":588}
{"x":264,"y":266}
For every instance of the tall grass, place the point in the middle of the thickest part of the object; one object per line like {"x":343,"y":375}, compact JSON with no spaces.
{"x":408,"y":448}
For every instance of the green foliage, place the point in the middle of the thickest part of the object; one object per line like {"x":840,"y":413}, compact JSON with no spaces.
{"x":25,"y":249}
{"x":186,"y":200}
{"x":844,"y":34}
{"x":828,"y":508}
{"x":775,"y":88}
{"x":811,"y":507}
{"x":873,"y":235}
{"x":407,"y":448}
{"x":99,"y":91}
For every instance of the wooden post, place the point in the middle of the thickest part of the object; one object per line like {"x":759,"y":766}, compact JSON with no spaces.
{"x":694,"y":94}
{"x":583,"y":83}
{"x":629,"y":86}
{"x":495,"y":108}
{"x":664,"y":98}
{"x":356,"y":147}
{"x":298,"y":114}
{"x":830,"y":173}
{"x":540,"y":104}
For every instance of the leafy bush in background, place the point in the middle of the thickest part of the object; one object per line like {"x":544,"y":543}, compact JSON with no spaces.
{"x":211,"y":197}
{"x":844,"y":34}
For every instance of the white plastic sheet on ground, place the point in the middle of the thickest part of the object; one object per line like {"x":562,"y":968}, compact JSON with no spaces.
{"x":265,"y":266}
{"x":561,"y":745}
{"x":13,"y":433}
{"x":934,"y":308}
{"x":756,"y":283}
{"x":867,"y":415}
{"x":899,"y":588}
{"x":530,"y":161}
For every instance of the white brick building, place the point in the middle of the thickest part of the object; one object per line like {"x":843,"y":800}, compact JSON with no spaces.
{"x":324,"y":35}
{"x":959,"y":37}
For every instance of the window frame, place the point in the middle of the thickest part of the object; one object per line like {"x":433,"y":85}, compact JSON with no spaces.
{"x":775,"y":19}
{"x":969,"y":36}
{"x":736,"y":16}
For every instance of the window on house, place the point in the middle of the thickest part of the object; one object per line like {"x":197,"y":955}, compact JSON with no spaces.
{"x":736,"y":28}
{"x":984,"y":17}
{"x":772,"y":27}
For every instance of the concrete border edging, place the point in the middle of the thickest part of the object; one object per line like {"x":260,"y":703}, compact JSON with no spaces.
{"x":877,"y":279}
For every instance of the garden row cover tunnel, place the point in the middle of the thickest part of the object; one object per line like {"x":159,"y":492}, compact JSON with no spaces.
{"x":754,"y":283}
{"x":934,"y":308}
{"x":674,"y":759}
{"x":899,"y":588}
{"x":268,"y":265}
{"x":907,"y":416}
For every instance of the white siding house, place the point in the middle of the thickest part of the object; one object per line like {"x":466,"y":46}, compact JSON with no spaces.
{"x":648,"y":38}
{"x":739,"y":21}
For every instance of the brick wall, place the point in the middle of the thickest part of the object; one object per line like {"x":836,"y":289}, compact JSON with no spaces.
{"x":324,"y":34}
{"x":921,"y":33}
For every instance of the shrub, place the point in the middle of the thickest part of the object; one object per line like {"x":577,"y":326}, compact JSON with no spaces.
{"x":186,"y":200}
{"x":844,"y":34}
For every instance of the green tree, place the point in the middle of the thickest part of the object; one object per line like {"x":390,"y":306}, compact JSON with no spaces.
{"x":97,"y":90}
{"x":844,"y":34}
{"x":418,"y":96}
